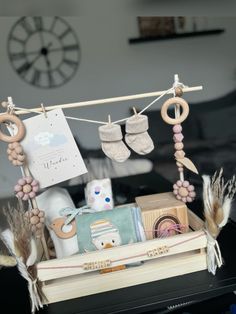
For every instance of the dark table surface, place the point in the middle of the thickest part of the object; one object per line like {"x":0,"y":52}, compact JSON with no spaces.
{"x":145,"y":298}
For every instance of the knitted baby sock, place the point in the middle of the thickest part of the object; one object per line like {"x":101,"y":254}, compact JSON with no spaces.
{"x":137,"y":136}
{"x":112,"y":144}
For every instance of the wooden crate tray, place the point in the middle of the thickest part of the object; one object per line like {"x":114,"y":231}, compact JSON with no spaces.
{"x":78,"y":275}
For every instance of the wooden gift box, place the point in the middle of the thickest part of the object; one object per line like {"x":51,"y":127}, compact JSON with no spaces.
{"x":161,"y":210}
{"x":79,"y":275}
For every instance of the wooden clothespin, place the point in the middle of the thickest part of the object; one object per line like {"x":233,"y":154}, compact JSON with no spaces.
{"x":44,"y":110}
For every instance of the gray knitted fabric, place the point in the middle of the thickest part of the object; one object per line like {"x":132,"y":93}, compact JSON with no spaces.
{"x":137,"y":136}
{"x":112,"y":144}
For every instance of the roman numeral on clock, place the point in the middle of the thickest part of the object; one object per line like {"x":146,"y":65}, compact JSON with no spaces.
{"x":17,"y":56}
{"x":71,"y":63}
{"x":27,"y":26}
{"x":71,"y":47}
{"x":36,"y":78}
{"x":38,"y":23}
{"x":24,"y":68}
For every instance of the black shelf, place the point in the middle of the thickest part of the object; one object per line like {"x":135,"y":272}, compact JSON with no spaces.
{"x":175,"y":36}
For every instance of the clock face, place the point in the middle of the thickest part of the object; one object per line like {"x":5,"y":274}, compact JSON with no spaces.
{"x":44,"y":51}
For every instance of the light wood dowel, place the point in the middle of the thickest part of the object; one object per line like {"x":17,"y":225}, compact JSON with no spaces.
{"x":105,"y":100}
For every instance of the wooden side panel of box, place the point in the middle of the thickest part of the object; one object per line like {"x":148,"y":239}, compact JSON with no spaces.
{"x":92,"y":283}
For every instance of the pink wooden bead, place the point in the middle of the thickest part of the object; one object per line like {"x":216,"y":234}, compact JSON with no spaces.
{"x":179,"y":183}
{"x":21,"y":181}
{"x":189,"y":199}
{"x":17,"y":188}
{"x":191,"y":188}
{"x":35,"y":188}
{"x":178,"y":137}
{"x":184,"y":199}
{"x":175,"y":192}
{"x":178,"y":197}
{"x":175,"y":186}
{"x":25,"y":197}
{"x":34,"y":182}
{"x":192,"y":194}
{"x":20,"y":194}
{"x":185,"y":183}
{"x":177,"y":128}
{"x":29,"y":179}
{"x":32,"y":194}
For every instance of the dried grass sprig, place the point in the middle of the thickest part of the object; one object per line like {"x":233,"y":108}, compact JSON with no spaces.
{"x":20,"y":242}
{"x":217,"y":199}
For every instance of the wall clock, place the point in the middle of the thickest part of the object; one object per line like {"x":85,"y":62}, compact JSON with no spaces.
{"x":44,"y":51}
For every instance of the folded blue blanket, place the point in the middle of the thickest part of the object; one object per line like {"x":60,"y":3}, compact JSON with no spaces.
{"x":110,"y":228}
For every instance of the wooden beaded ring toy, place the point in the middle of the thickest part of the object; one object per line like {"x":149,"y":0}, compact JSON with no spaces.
{"x":20,"y":127}
{"x":182,"y":189}
{"x":173,"y":101}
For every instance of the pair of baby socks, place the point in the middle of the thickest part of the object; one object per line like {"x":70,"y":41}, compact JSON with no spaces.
{"x":137,"y":138}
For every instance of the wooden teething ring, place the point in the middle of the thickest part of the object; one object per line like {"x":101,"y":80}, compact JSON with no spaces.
{"x":20,"y":127}
{"x":172,"y":101}
{"x":57,"y":225}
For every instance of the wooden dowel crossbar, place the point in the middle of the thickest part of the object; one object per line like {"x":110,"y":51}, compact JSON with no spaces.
{"x":105,"y":100}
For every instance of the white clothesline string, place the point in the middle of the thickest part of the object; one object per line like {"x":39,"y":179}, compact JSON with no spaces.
{"x":43,"y":110}
{"x":96,"y":121}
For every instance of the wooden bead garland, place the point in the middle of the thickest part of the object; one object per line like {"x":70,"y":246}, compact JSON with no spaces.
{"x":16,"y":154}
{"x":26,"y":187}
{"x":182,"y":188}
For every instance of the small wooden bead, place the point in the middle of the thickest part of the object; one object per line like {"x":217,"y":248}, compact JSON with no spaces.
{"x":183,"y":192}
{"x":179,"y":146}
{"x":34,"y":220}
{"x":39,"y":225}
{"x":178,"y":164}
{"x":21,"y":157}
{"x":35,"y":211}
{"x":15,"y":145}
{"x":27,"y":188}
{"x":180,"y":169}
{"x":4,"y":104}
{"x":14,"y":154}
{"x":19,"y":150}
{"x":178,"y":92}
{"x":179,"y":154}
{"x":41,"y":213}
{"x":177,"y":128}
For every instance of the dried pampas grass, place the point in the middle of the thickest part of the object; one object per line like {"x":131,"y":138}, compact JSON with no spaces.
{"x":217,"y":199}
{"x":21,"y":244}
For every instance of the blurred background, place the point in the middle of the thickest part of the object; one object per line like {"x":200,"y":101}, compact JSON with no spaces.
{"x":58,"y":60}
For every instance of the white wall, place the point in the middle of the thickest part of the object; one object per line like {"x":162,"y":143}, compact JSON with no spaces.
{"x":112,"y":67}
{"x":123,"y":7}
